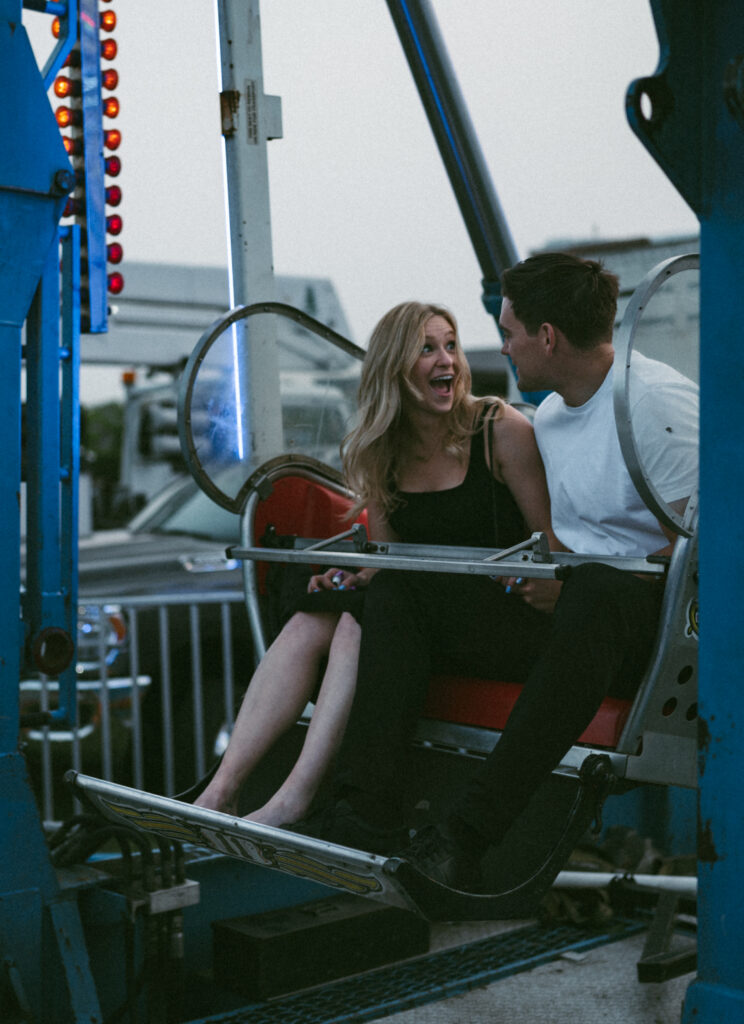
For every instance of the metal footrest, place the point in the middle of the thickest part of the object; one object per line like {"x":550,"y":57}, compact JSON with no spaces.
{"x":388,"y":879}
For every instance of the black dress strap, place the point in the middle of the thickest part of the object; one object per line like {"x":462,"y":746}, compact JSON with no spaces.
{"x":488,"y":419}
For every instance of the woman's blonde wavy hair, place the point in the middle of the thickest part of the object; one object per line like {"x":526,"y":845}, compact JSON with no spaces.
{"x":370,"y":451}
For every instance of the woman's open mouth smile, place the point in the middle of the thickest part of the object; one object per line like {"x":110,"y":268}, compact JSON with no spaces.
{"x":443,"y":383}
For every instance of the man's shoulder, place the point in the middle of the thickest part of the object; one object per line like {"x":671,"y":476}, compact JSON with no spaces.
{"x":654,"y":373}
{"x":551,"y":404}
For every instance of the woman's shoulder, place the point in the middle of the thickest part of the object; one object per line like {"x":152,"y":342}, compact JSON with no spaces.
{"x":511,"y":432}
{"x":486,"y":409}
{"x":496,"y":414}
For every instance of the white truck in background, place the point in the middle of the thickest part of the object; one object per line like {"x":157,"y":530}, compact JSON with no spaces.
{"x":154,"y":326}
{"x":316,"y":416}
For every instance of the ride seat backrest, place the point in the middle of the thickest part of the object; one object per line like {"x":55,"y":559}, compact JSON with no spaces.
{"x":303,"y":508}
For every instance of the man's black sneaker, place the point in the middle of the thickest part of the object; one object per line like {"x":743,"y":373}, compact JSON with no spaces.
{"x":435,"y":853}
{"x":339,"y":823}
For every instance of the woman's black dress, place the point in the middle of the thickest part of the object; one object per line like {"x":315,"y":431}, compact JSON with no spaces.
{"x":479,"y":512}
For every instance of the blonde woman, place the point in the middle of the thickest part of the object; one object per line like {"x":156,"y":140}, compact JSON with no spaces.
{"x":431,"y":464}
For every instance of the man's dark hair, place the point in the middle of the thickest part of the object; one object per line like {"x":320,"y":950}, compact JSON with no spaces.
{"x":577,"y":296}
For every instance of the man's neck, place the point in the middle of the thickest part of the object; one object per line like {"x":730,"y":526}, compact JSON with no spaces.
{"x":585,"y":373}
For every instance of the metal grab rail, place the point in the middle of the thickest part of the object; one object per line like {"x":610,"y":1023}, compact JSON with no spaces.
{"x":436,"y":558}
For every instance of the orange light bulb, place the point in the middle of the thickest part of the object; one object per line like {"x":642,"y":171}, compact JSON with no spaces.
{"x":62,"y":87}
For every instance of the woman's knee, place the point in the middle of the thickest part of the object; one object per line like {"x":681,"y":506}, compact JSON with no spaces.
{"x":348,"y":633}
{"x":348,"y":625}
{"x":310,"y":629}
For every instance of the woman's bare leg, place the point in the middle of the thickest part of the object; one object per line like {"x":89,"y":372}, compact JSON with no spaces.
{"x":292,"y":800}
{"x":275,"y":698}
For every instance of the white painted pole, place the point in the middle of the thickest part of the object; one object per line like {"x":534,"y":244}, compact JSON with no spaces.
{"x":683,"y":884}
{"x":249,"y":119}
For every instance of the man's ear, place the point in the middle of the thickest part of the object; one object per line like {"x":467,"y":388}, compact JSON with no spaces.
{"x":548,"y":337}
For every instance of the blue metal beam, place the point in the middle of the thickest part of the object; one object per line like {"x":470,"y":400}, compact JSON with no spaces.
{"x":458,"y":144}
{"x":34,"y":177}
{"x":690,"y":116}
{"x":39,"y":930}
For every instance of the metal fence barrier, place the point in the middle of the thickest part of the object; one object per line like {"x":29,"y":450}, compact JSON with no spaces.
{"x":157,"y":717}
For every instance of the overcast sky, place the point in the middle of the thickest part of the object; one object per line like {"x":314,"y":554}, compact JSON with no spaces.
{"x":358,"y":190}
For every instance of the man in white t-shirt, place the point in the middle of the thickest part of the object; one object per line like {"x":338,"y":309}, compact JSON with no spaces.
{"x":557,"y":320}
{"x":595,"y":506}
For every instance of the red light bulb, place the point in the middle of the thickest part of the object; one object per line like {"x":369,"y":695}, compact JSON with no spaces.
{"x":112,"y":138}
{"x":114,"y":224}
{"x":115,"y":282}
{"x":114,"y":252}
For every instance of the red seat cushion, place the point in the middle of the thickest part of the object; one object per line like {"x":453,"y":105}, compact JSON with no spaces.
{"x":302,"y":508}
{"x":488,"y":703}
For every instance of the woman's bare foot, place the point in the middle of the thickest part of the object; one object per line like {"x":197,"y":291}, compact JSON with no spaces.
{"x":213,"y":800}
{"x":279,"y":810}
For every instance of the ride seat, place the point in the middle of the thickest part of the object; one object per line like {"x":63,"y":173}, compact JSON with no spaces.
{"x":487,"y":704}
{"x":649,"y":739}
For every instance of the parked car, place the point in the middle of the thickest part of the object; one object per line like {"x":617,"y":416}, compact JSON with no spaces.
{"x":174,"y":547}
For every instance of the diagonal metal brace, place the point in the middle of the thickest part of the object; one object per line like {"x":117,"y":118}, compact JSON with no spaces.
{"x":538,"y":543}
{"x":357,"y":533}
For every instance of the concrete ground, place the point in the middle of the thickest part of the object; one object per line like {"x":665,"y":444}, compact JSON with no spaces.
{"x":599,"y":985}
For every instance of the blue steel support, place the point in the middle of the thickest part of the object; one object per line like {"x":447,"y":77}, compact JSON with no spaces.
{"x":52,"y":445}
{"x":10,"y":538}
{"x":70,"y":455}
{"x":690,"y":115}
{"x":458,"y":144}
{"x":459,"y":148}
{"x":41,"y":940}
{"x":46,"y":605}
{"x":96,"y":318}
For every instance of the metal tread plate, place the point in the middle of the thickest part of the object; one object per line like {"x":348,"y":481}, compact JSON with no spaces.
{"x":430,"y":978}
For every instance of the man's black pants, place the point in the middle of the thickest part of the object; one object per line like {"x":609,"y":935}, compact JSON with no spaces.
{"x":596,"y":644}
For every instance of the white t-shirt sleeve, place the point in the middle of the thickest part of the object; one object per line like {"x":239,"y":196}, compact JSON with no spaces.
{"x":665,"y":423}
